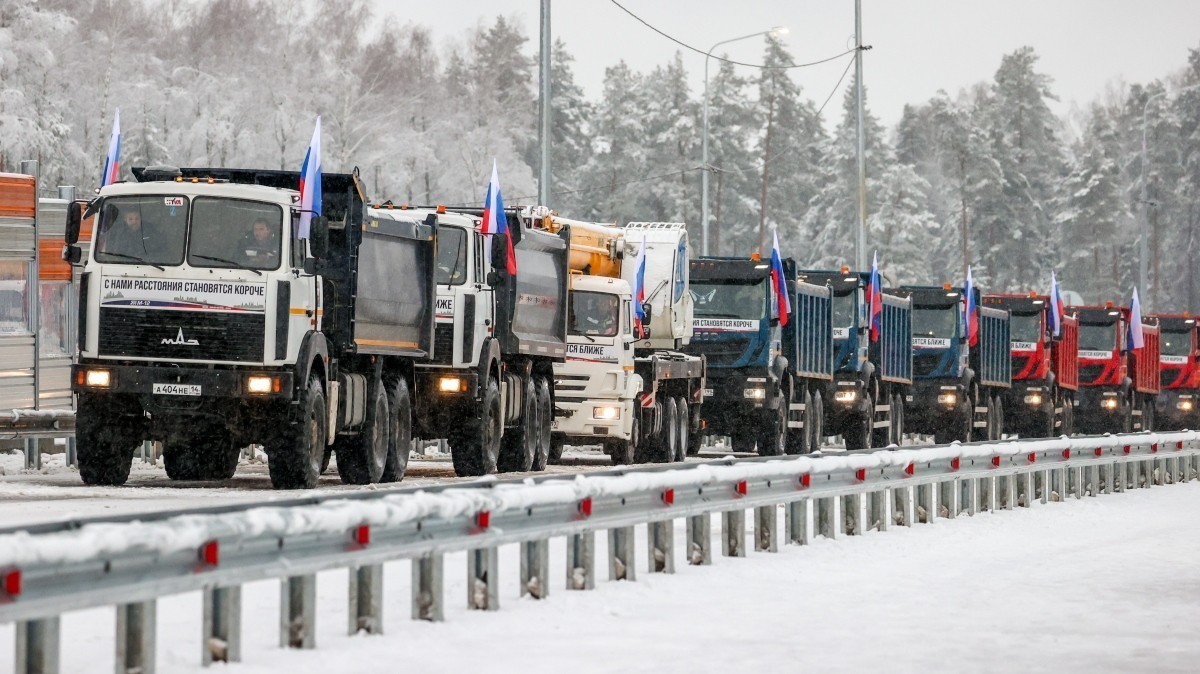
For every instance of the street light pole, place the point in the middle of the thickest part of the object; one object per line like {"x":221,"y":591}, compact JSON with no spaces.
{"x":860,"y":241}
{"x":544,"y":108}
{"x":777,"y":30}
{"x":1143,"y":244}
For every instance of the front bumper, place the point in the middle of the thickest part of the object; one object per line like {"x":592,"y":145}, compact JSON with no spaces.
{"x":576,"y":419}
{"x":728,"y":401}
{"x":934,"y":401}
{"x":213,"y":383}
{"x":1177,"y":410}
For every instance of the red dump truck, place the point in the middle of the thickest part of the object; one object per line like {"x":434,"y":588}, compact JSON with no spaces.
{"x":1118,"y":386}
{"x":1179,"y":372}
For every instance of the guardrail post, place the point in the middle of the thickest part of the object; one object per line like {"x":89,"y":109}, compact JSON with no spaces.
{"x":852,"y":514}
{"x":483,"y":579}
{"x":733,"y":533}
{"x":660,"y":546}
{"x":1075,"y":476}
{"x":902,"y":506}
{"x":135,"y":638}
{"x":1093,"y":480}
{"x":366,"y":599}
{"x":766,"y":528}
{"x":33,"y":454}
{"x":37,"y":646}
{"x":948,"y":494}
{"x":826,"y":517}
{"x":877,"y":510}
{"x":620,"y":554}
{"x":1185,"y":467}
{"x":1006,"y":490}
{"x":535,"y":568}
{"x":926,"y":505}
{"x":72,"y":452}
{"x":427,"y":595}
{"x":987,"y":494}
{"x":795,"y":520}
{"x":222,"y":625}
{"x":1041,"y":485}
{"x":581,"y":561}
{"x":298,"y":612}
{"x":699,"y":540}
{"x":969,"y":496}
{"x":1106,"y":481}
{"x":1024,"y":485}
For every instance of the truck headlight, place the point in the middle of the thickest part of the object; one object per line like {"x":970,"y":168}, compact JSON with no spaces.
{"x":1109,"y":403}
{"x":755,"y":393}
{"x":1185,"y":405}
{"x":606,"y":413}
{"x":98,"y":378}
{"x":947,"y":398}
{"x":845,"y":395}
{"x":450,"y":384}
{"x":1034,"y":399}
{"x":259,"y":384}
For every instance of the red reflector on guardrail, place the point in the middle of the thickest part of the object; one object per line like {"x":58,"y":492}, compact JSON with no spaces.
{"x":1032,"y":457}
{"x":1067,"y":453}
{"x":996,"y":461}
{"x":742,"y":488}
{"x":1179,"y":445}
{"x":210,"y":553}
{"x":955,"y":463}
{"x":1127,"y":448}
{"x":585,"y":507}
{"x":1099,"y":451}
{"x":362,"y":535}
{"x":805,"y":480}
{"x":861,"y":474}
{"x":910,"y":469}
{"x":668,"y":496}
{"x":1154,"y":448}
{"x":483,"y":520}
{"x":12,"y":583}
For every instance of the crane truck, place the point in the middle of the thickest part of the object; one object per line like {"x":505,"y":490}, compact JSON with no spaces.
{"x":959,"y":379}
{"x":207,"y":322}
{"x":872,"y":376}
{"x":1118,"y":385}
{"x":1045,"y":367}
{"x":766,"y":379}
{"x":626,"y":388}
{"x":1178,"y":404}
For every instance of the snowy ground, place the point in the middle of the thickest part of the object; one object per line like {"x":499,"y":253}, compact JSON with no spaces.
{"x":1102,"y":584}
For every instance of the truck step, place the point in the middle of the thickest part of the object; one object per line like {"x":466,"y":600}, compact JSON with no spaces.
{"x":881,"y":424}
{"x":1137,"y":413}
{"x":795,"y":424}
{"x":796,"y":407}
{"x":981,"y":410}
{"x":883,"y":408}
{"x":979,"y":424}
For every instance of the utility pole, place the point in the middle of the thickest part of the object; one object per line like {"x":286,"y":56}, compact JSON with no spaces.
{"x":544,"y":108}
{"x":860,"y":244}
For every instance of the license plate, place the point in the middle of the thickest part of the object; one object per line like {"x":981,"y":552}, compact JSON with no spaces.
{"x":554,"y":425}
{"x":708,"y":393}
{"x":177,"y":389}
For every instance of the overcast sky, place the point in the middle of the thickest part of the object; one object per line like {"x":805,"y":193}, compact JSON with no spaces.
{"x":919,"y":46}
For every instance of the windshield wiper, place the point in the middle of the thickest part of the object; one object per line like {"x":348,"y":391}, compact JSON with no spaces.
{"x":228,"y":262}
{"x":135,"y":258}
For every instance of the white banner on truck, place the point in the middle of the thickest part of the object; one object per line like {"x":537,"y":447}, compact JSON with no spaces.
{"x":597,"y":353}
{"x":724,"y":324}
{"x":183,"y":294}
{"x":931,"y":343}
{"x":444,"y":307}
{"x":1095,"y":354}
{"x":1024,"y":346}
{"x":841,"y":333}
{"x":1173,"y":360}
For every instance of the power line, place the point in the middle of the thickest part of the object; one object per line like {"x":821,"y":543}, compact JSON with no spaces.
{"x":721,"y":58}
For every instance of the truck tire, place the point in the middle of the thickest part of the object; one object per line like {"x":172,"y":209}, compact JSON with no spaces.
{"x":898,"y":420}
{"x":663,"y":447}
{"x":694,"y":437}
{"x":624,"y":452}
{"x":545,"y":417}
{"x":684,"y":420}
{"x":519,"y":444}
{"x":815,"y":430}
{"x":773,"y":430}
{"x":1068,"y":419}
{"x":476,"y":447}
{"x":104,"y":445}
{"x":362,"y":458}
{"x":400,"y":433}
{"x":797,"y":438}
{"x":295,"y":455}
{"x":998,"y":426}
{"x":859,"y":433}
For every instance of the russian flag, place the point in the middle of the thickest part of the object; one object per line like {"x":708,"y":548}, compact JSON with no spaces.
{"x":1135,"y":339}
{"x":972,"y":314}
{"x":875,"y":299}
{"x":494,"y":220}
{"x":1056,"y":307}
{"x":112,"y":163}
{"x":639,"y":289}
{"x":783,"y":303}
{"x":310,"y":183}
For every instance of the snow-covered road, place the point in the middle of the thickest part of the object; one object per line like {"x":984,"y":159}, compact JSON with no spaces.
{"x":1102,"y":584}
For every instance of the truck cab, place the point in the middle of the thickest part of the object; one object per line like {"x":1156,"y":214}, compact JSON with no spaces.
{"x":1179,"y":402}
{"x":1117,"y":386}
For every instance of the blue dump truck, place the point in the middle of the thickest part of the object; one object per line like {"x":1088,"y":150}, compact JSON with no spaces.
{"x":958,"y":382}
{"x":872,"y":377}
{"x":766,"y":379}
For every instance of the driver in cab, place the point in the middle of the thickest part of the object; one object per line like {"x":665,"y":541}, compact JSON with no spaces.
{"x":595,"y":315}
{"x":260,"y":246}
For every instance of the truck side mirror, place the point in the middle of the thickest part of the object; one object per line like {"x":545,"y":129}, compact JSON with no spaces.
{"x":74,"y":218}
{"x":646,"y":312}
{"x":72,"y":253}
{"x":493,"y":278}
{"x":318,"y":236}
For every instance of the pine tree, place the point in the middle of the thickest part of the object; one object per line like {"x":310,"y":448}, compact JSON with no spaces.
{"x":732,"y":125}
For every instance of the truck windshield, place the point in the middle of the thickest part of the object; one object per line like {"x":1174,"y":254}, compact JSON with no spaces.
{"x":1026,"y":327}
{"x":594,"y":314}
{"x":940,"y":322}
{"x":1094,"y":337}
{"x":1177,"y":343}
{"x":843,"y":310}
{"x":235,"y":234}
{"x":745,"y":300}
{"x":451,"y":256}
{"x":150,"y":229}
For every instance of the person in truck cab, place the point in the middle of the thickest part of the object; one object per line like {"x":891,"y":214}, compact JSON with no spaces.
{"x":259,"y":246}
{"x":594,"y":314}
{"x":131,"y":237}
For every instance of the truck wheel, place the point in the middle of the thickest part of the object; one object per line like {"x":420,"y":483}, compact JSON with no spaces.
{"x":211,"y":460}
{"x":104,"y":444}
{"x":797,"y":438}
{"x":694,"y":437}
{"x":361,"y":458}
{"x":860,"y":432}
{"x":1068,"y":424}
{"x":684,"y":418}
{"x":898,"y":420}
{"x":294,"y":457}
{"x":663,"y":450}
{"x":998,"y":408}
{"x":773,"y":431}
{"x":816,"y":433}
{"x":624,"y":452}
{"x":545,"y":417}
{"x":400,"y":433}
{"x":557,"y":443}
{"x":519,"y":444}
{"x":475,"y":448}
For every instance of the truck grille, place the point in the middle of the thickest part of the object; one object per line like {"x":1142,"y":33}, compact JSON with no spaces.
{"x":719,"y":353}
{"x":925,"y":364}
{"x":1089,"y":373}
{"x":193,"y":335}
{"x":443,"y":344}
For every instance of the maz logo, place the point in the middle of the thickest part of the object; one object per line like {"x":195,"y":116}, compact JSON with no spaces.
{"x":180,"y":341}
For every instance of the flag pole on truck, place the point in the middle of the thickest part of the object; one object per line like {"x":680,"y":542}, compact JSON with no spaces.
{"x":1136,"y":338}
{"x":1056,"y":308}
{"x":494,"y":221}
{"x":112,"y":161}
{"x":310,"y":183}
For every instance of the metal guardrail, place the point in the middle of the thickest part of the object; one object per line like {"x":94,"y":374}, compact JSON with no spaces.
{"x":69,"y":566}
{"x":32,"y":425}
